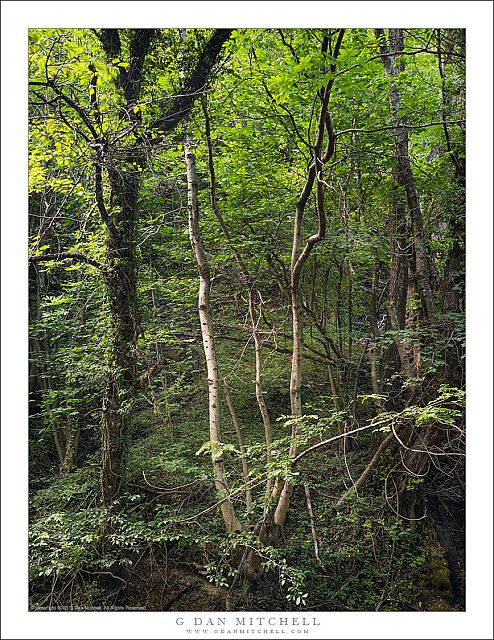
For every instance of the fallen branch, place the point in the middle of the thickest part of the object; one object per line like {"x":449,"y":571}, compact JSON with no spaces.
{"x":178,"y":595}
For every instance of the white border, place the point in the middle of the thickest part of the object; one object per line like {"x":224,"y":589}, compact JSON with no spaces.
{"x":17,"y":17}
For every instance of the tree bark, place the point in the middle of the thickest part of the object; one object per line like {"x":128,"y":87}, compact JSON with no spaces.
{"x":375,"y":354}
{"x":120,"y":271}
{"x":398,"y":274}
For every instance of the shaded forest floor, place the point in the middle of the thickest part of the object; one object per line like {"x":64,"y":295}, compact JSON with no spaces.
{"x":162,"y":583}
{"x":372,"y":559}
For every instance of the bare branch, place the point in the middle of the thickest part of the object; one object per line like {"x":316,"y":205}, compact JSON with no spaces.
{"x":400,"y":126}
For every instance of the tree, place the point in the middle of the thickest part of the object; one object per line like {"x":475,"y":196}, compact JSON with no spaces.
{"x":231,"y":520}
{"x":300,"y":255}
{"x":405,"y":177}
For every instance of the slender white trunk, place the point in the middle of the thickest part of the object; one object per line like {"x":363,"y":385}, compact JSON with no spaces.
{"x":231,"y":521}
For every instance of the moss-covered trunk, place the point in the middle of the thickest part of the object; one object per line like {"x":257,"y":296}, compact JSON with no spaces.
{"x":121,"y":285}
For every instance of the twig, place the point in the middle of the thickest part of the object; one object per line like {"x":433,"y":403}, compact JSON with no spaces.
{"x":301,"y":455}
{"x":312,"y":527}
{"x":251,"y":484}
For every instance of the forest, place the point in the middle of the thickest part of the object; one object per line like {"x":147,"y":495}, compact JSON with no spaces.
{"x":246,"y":319}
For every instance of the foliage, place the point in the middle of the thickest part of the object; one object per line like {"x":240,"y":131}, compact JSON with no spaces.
{"x":99,"y":154}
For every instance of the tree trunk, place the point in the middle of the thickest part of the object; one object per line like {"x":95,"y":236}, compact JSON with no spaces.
{"x":416,"y":463}
{"x":121,"y":286}
{"x":406,"y":179}
{"x":229,"y":516}
{"x":453,"y":285}
{"x":71,"y":445}
{"x":121,"y":269}
{"x":375,"y":353}
{"x":261,"y":403}
{"x":398,"y":274}
{"x":298,"y":261}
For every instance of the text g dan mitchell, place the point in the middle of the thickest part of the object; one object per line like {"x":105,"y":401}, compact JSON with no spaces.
{"x":249,"y":621}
